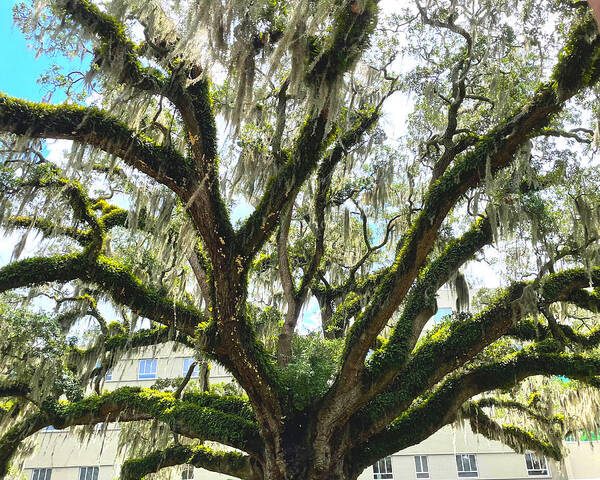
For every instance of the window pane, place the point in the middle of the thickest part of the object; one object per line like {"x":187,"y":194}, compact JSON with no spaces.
{"x":382,"y":469}
{"x":147,"y":368}
{"x":421,"y":466}
{"x":536,"y":465}
{"x":466,"y":465}
{"x":528,"y":461}
{"x":95,"y":476}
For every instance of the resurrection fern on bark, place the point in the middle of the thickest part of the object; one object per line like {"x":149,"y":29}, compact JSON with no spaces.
{"x":238,"y":163}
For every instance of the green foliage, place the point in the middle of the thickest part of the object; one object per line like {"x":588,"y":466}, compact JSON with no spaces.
{"x":311,"y":370}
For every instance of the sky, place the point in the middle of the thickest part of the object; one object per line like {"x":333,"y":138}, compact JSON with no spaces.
{"x":19,"y":72}
{"x":18,"y":66}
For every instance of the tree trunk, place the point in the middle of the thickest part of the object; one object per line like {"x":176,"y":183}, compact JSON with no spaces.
{"x":298,"y":457}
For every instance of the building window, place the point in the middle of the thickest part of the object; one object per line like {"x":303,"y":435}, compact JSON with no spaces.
{"x":108,"y":372}
{"x":187,"y":362}
{"x":383,"y":468}
{"x":88,"y":473}
{"x":187,"y":473}
{"x":147,"y":369}
{"x":536,"y":465}
{"x":41,"y":474}
{"x":466,"y":465}
{"x":421,"y":466}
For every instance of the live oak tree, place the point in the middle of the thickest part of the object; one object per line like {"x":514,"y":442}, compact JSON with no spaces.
{"x":368,"y":152}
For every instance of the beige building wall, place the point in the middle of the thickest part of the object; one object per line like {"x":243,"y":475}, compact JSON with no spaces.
{"x":583,"y":462}
{"x":494,"y":460}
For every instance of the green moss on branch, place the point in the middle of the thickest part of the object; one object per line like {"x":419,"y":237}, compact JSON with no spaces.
{"x":440,"y":407}
{"x":96,"y":128}
{"x":134,"y":403}
{"x":227,"y":463}
{"x":116,"y":52}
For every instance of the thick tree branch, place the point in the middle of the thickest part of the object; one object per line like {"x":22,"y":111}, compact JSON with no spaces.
{"x":226,"y":463}
{"x":132,"y":404}
{"x":578,"y":67}
{"x":117,"y":52}
{"x":458,"y":343}
{"x":98,"y":129}
{"x":545,"y":421}
{"x":111,"y":277}
{"x":440,"y":407}
{"x":10,"y":388}
{"x":519,"y":439}
{"x":10,"y":441}
{"x":420,"y":304}
{"x":350,"y":36}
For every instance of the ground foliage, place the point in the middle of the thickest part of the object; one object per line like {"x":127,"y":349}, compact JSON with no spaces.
{"x":229,"y":165}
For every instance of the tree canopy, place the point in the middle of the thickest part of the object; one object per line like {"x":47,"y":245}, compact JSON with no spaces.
{"x":231,"y":165}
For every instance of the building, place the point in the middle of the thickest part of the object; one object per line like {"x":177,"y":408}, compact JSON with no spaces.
{"x":450,"y":454}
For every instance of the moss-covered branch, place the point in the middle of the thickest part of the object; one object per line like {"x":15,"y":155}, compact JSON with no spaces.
{"x":39,"y":270}
{"x":337,"y":54}
{"x":223,"y":403}
{"x":353,"y":28}
{"x":134,"y":403}
{"x":189,"y":90}
{"x":49,"y":229}
{"x":420,"y":303}
{"x":578,"y":67}
{"x":455,"y":344}
{"x":10,"y":388}
{"x":227,"y":463}
{"x":12,"y":438}
{"x":548,"y":422}
{"x":112,"y":277}
{"x":534,"y":331}
{"x":96,"y":128}
{"x":282,"y":187}
{"x":117,"y":53}
{"x":440,"y":408}
{"x":519,"y":439}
